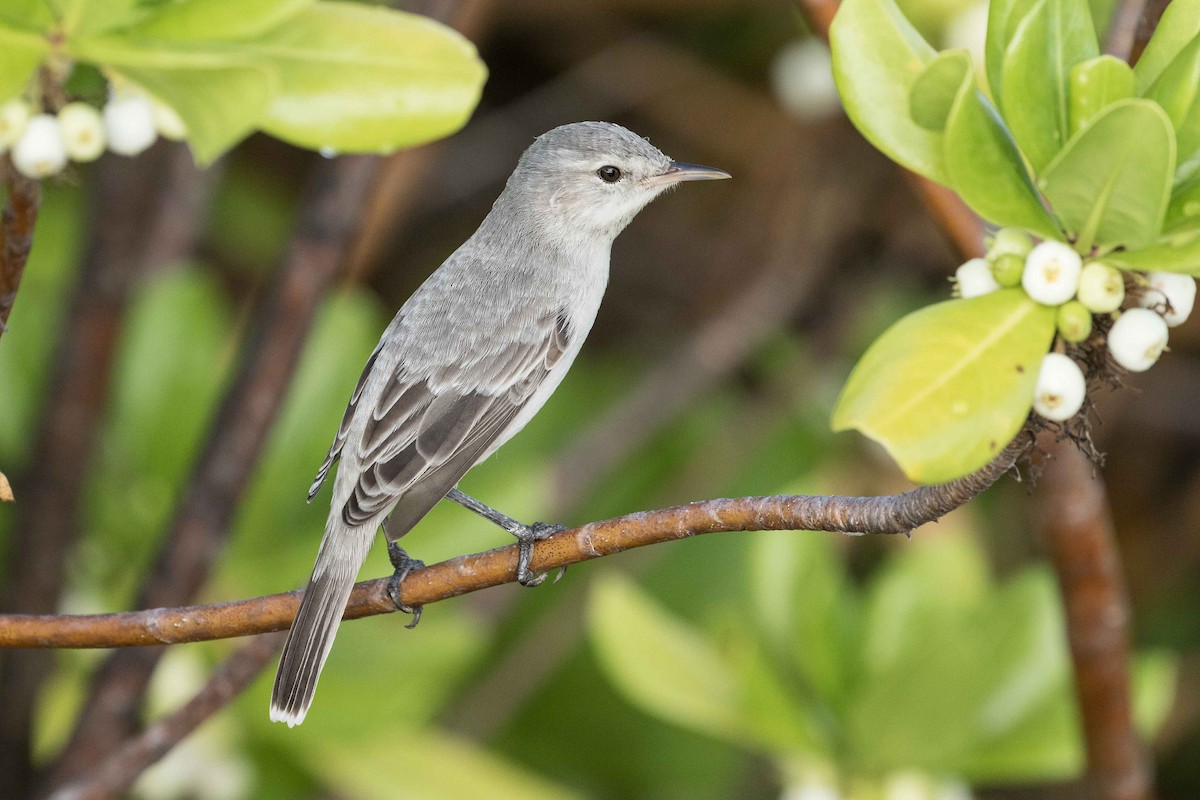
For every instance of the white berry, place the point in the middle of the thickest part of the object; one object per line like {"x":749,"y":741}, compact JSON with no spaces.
{"x":975,"y":278}
{"x":1052,"y":273}
{"x":82,"y":131}
{"x":803,"y":80}
{"x":1060,"y":388}
{"x":129,"y":123}
{"x":40,"y":151}
{"x":1101,"y":288}
{"x":1137,"y":339}
{"x":1173,"y":290}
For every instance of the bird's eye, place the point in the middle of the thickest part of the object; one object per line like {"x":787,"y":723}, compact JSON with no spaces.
{"x":609,"y":174}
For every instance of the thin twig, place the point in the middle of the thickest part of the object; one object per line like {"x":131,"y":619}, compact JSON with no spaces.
{"x":117,"y":772}
{"x":17,"y":222}
{"x":887,"y":514}
{"x":202,"y":522}
{"x":1078,"y":532}
{"x":134,"y":220}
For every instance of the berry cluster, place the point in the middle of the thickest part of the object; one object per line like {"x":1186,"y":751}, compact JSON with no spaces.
{"x":42,"y":143}
{"x":1053,"y":274}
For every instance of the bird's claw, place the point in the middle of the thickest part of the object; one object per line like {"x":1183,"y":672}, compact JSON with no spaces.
{"x":526,"y":537}
{"x":402,"y":564}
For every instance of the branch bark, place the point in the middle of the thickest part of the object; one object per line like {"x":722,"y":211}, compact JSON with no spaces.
{"x":17,"y":222}
{"x":1078,"y":533}
{"x":133,"y":225}
{"x":336,"y":195}
{"x":116,"y":774}
{"x":887,"y":514}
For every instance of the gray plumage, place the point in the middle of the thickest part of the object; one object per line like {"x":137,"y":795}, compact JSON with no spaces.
{"x":469,"y":359}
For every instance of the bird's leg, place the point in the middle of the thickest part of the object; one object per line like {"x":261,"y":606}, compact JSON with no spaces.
{"x":526,"y":535}
{"x":403,"y":565}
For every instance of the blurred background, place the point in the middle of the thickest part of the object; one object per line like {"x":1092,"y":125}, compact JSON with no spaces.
{"x":738,"y":665}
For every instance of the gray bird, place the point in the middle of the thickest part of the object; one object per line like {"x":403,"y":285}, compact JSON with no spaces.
{"x":467,"y":361}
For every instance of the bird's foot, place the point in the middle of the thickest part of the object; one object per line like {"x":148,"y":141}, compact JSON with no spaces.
{"x":527,"y":535}
{"x":402,"y":564}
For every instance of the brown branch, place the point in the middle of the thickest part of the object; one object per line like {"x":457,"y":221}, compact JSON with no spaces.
{"x":887,"y":514}
{"x":202,"y":521}
{"x":1078,"y":532}
{"x":17,"y":222}
{"x":114,"y":775}
{"x":133,"y":224}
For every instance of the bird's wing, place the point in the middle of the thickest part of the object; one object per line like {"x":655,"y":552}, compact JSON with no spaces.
{"x":424,"y":433}
{"x":339,"y":441}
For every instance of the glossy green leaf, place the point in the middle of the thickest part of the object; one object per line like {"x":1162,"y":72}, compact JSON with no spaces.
{"x":1178,"y":252}
{"x":1094,"y":86}
{"x":948,"y":386}
{"x":1183,"y":211}
{"x":220,"y":96}
{"x":806,"y":609}
{"x":877,"y":58}
{"x":933,"y":93}
{"x":1179,"y":25}
{"x":1155,"y":677}
{"x":354,"y":78}
{"x":1053,"y":37}
{"x":33,"y":15}
{"x":1177,"y":90}
{"x":20,"y":54}
{"x":91,"y":17}
{"x":1107,"y":192}
{"x":659,"y":662}
{"x":215,"y":19}
{"x":1003,"y":18}
{"x":986,"y":169}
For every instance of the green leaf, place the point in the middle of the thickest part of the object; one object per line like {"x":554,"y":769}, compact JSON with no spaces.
{"x":806,"y":610}
{"x":660,"y":663}
{"x":20,"y":55}
{"x":32,"y":15}
{"x":1179,"y":252}
{"x":986,"y":169}
{"x":1155,"y":677}
{"x":933,"y":93}
{"x":435,"y":765}
{"x":1003,"y":18}
{"x":1094,"y":86}
{"x":360,"y":79}
{"x":1053,"y":37}
{"x":90,"y":17}
{"x":220,"y":96}
{"x":1106,"y":192}
{"x":1176,"y":90}
{"x":877,"y":58}
{"x":1179,"y":25}
{"x":215,"y":19}
{"x":947,"y":387}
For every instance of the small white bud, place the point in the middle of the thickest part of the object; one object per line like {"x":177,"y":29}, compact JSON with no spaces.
{"x":167,"y":122}
{"x":14,"y":116}
{"x":40,"y":151}
{"x":1137,"y":339}
{"x":802,"y":78}
{"x":1170,"y":289}
{"x":1060,"y":388}
{"x":1101,"y":288}
{"x":975,"y":278}
{"x":1052,"y":273}
{"x":82,"y":131}
{"x":129,"y":123}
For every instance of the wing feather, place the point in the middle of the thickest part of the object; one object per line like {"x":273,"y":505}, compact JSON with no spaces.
{"x":421,"y":441}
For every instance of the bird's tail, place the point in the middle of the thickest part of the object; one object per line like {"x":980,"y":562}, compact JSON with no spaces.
{"x":343,"y":550}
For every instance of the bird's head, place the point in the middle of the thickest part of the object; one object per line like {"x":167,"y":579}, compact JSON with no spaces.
{"x":594,"y":177}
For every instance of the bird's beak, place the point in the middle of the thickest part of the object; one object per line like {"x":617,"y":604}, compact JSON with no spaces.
{"x":679,"y":172}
